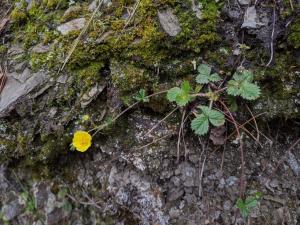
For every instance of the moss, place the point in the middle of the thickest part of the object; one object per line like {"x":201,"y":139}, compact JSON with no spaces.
{"x":18,"y":15}
{"x":3,"y":49}
{"x":127,"y":77}
{"x":294,"y":34}
{"x":55,"y":4}
{"x":90,"y":74}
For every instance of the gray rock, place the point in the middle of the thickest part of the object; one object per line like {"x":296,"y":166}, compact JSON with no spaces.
{"x":175,"y":194}
{"x":56,"y":216}
{"x":88,"y":97}
{"x":94,"y":4}
{"x":3,"y":181}
{"x":11,"y":210}
{"x":73,"y":25}
{"x":15,"y":89}
{"x":293,"y":163}
{"x":244,"y":2}
{"x":40,"y":48}
{"x":169,"y":22}
{"x":250,"y":18}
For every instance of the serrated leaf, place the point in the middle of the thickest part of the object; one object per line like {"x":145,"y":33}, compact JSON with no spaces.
{"x":200,"y":124}
{"x":204,"y":69}
{"x":214,"y":77}
{"x":247,"y":75}
{"x":202,"y":79}
{"x":233,"y":88}
{"x":185,"y":86}
{"x":249,"y":91}
{"x":182,"y":98}
{"x":172,"y":94}
{"x":203,"y":75}
{"x":216,"y":118}
{"x":205,"y":109}
{"x":251,"y":202}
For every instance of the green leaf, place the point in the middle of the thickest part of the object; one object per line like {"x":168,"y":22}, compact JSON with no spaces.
{"x":216,"y":118}
{"x":250,"y":91}
{"x":172,"y":94}
{"x":183,"y":98}
{"x":251,"y":202}
{"x":185,"y":86}
{"x":141,"y":96}
{"x":204,"y":69}
{"x":205,"y":110}
{"x":214,"y":77}
{"x":244,"y":210}
{"x":233,"y":88}
{"x":200,"y":124}
{"x":203,"y":75}
{"x":202,"y":79}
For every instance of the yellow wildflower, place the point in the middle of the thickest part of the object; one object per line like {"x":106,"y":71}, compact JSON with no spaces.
{"x":82,"y":140}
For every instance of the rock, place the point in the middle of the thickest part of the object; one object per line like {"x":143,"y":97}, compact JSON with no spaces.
{"x":175,"y":194}
{"x":56,"y":216}
{"x":88,"y":97}
{"x":3,"y":180}
{"x":188,"y":174}
{"x":244,"y":2}
{"x":94,"y":4}
{"x":169,"y":22}
{"x":40,"y":48}
{"x":15,"y":89}
{"x":293,"y":163}
{"x":250,"y":18}
{"x":73,"y":25}
{"x":11,"y":210}
{"x":73,"y":10}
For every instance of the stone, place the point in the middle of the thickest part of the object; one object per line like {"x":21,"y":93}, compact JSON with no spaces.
{"x":293,"y":163}
{"x":250,"y":18}
{"x":88,"y":97}
{"x":40,"y":48}
{"x":94,"y":4}
{"x":169,"y":22}
{"x":12,"y":210}
{"x":175,"y":194}
{"x":244,"y":2}
{"x":73,"y":25}
{"x":15,"y":89}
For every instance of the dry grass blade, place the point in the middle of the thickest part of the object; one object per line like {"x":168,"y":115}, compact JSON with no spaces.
{"x":3,"y":78}
{"x":3,"y":23}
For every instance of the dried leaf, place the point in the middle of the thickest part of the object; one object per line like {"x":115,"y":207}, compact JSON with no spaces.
{"x":3,"y":78}
{"x":3,"y":22}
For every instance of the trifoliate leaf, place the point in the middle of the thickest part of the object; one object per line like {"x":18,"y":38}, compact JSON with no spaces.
{"x":200,"y":124}
{"x":250,"y":91}
{"x":214,"y":77}
{"x":185,"y":86}
{"x":203,"y":75}
{"x":205,"y":109}
{"x":216,"y":118}
{"x":172,"y":94}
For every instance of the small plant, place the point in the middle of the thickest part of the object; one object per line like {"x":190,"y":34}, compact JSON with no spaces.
{"x":241,"y":85}
{"x":141,"y":96}
{"x":180,"y":95}
{"x":245,"y":206}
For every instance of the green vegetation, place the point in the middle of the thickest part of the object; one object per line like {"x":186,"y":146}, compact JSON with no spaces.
{"x":245,"y":206}
{"x":241,"y":84}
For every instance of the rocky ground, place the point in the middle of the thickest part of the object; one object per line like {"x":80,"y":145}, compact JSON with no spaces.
{"x":130,"y":176}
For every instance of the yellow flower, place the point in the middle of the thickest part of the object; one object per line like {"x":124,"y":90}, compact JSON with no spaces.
{"x":82,"y":140}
